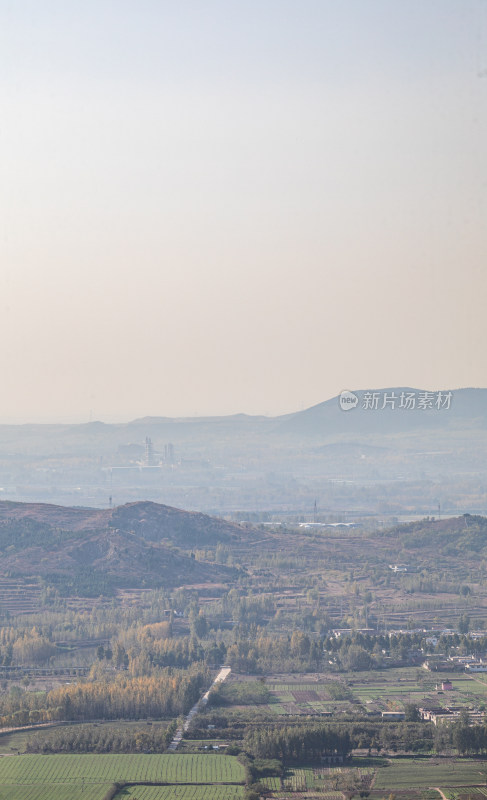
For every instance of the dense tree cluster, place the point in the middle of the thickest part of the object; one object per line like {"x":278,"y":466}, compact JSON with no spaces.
{"x":297,"y":744}
{"x":462,"y":736}
{"x":31,"y":648}
{"x":103,"y":739}
{"x":121,"y":696}
{"x":259,"y":652}
{"x":351,"y":651}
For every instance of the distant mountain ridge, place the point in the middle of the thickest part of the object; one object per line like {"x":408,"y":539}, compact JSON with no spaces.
{"x":243,"y":463}
{"x":465,"y":406}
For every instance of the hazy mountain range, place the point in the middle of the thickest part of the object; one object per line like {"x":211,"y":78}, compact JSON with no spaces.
{"x":432,"y":446}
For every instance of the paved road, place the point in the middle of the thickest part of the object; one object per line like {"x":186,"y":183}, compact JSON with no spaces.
{"x":222,"y":675}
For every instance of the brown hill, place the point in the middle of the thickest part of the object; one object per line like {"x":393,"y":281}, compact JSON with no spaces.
{"x":151,"y":520}
{"x":93,"y":551}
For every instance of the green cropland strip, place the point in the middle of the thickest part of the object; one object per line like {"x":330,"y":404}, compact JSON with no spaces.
{"x":441,"y":772}
{"x":64,"y":777}
{"x":39,"y":792}
{"x":182,"y":793}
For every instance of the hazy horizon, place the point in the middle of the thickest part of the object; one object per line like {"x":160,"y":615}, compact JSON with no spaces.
{"x":228,"y":208}
{"x":111,"y":418}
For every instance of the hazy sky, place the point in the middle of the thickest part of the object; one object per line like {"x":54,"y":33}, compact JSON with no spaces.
{"x":239,"y":205}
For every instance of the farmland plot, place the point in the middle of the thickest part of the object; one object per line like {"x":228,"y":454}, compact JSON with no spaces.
{"x":323,"y":782}
{"x":410,"y":773}
{"x":302,"y":698}
{"x":70,"y":772}
{"x":181,"y":793}
{"x":308,"y":795}
{"x":60,"y":792}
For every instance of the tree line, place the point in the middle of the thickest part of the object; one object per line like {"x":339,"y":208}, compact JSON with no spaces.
{"x":298,"y":743}
{"x":103,"y":739}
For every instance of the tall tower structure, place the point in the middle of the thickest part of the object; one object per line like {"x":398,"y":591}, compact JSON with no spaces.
{"x":149,"y":452}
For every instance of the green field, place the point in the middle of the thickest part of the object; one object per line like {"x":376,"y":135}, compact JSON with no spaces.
{"x":322,"y":782}
{"x":17,"y":741}
{"x":181,"y":793}
{"x":323,"y":795}
{"x":421,"y":776}
{"x":98,"y":792}
{"x":282,"y":688}
{"x":77,"y":777}
{"x":45,"y":792}
{"x":410,"y":773}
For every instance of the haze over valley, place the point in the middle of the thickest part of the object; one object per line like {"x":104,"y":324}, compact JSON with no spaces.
{"x":372,"y":461}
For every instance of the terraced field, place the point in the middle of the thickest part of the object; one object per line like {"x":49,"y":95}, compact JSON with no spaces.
{"x":19,"y":597}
